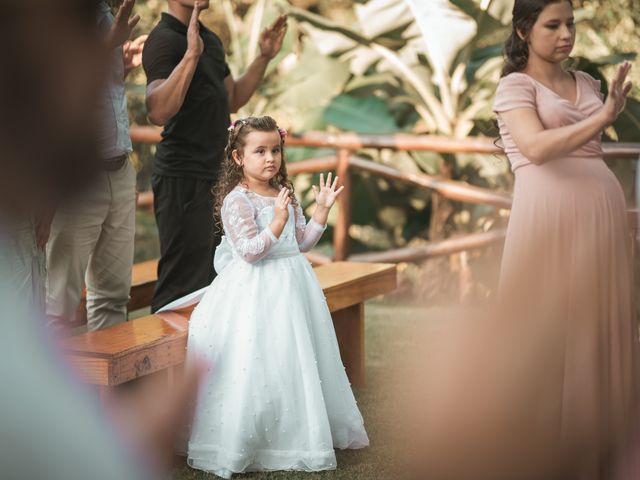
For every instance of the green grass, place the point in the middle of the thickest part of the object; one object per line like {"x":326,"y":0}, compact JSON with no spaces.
{"x":385,"y":324}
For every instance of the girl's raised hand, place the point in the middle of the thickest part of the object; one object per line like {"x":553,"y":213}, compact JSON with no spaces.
{"x":326,"y":195}
{"x":618,"y":90}
{"x":281,"y":206}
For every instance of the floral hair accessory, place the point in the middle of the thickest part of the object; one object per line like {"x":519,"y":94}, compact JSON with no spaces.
{"x":282,"y":132}
{"x":235,"y":123}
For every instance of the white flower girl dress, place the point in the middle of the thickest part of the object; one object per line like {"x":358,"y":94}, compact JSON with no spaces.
{"x":276,"y":396}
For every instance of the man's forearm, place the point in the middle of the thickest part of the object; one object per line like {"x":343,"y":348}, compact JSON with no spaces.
{"x":245,"y":86}
{"x":165,"y":98}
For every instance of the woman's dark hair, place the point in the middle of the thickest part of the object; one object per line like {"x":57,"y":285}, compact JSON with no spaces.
{"x":516,"y":50}
{"x":232,"y":174}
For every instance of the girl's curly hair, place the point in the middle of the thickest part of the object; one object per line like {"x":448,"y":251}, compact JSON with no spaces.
{"x":232,"y":174}
{"x":516,"y":50}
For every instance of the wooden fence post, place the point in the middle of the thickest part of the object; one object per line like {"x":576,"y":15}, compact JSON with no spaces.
{"x":341,"y":230}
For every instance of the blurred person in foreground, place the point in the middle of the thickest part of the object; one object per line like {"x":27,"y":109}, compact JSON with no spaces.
{"x":545,"y":386}
{"x":49,"y":426}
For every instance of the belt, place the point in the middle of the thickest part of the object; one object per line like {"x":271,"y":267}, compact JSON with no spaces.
{"x":114,"y":163}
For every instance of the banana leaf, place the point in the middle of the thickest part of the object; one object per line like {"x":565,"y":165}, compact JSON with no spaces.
{"x":363,"y":115}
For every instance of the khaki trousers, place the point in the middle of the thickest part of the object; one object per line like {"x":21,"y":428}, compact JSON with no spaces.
{"x":91,"y":244}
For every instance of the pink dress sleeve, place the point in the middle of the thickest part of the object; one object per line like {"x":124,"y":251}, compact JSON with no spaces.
{"x":594,"y":84}
{"x":243,"y":231}
{"x":307,"y":234}
{"x":515,"y":90}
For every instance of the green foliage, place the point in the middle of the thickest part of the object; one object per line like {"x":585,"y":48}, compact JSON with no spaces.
{"x":369,"y":114}
{"x":385,"y":66}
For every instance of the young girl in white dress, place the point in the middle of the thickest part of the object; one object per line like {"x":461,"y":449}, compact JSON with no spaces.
{"x":277,"y":396}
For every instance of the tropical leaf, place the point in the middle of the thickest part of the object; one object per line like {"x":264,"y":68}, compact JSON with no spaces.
{"x":323,"y":23}
{"x":375,"y":81}
{"x":445,"y":30}
{"x":490,"y":15}
{"x":361,"y":60}
{"x":330,"y":42}
{"x":304,"y":87}
{"x":364,"y":115}
{"x":382,"y":17}
{"x":303,"y":93}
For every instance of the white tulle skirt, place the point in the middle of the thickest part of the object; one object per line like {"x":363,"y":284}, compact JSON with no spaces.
{"x":276,"y":396}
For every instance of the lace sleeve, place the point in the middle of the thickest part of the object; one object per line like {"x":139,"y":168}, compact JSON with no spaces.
{"x":307,"y":234}
{"x":242,"y":229}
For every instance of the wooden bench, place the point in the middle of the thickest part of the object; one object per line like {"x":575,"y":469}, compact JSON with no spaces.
{"x":144,"y":276}
{"x":155,"y":343}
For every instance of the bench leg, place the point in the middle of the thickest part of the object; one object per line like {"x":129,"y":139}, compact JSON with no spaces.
{"x":349,"y":326}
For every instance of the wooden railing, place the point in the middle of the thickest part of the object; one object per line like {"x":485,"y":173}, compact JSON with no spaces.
{"x":346,"y":161}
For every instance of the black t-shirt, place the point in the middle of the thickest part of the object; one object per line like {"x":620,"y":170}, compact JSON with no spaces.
{"x":193,"y":140}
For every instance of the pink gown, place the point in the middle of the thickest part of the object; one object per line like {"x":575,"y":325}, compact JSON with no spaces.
{"x":567,"y":258}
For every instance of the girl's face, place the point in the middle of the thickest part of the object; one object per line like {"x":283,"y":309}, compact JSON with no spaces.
{"x":261,"y":156}
{"x":554,"y":33}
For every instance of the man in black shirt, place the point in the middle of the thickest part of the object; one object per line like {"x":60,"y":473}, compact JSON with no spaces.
{"x":190,"y":91}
